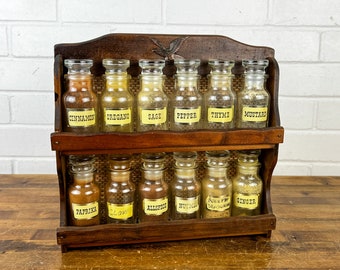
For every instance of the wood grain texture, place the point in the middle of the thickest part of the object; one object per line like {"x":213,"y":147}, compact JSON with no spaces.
{"x":307,"y":234}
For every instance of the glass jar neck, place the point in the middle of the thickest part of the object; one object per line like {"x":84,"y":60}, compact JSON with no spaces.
{"x":187,"y":82}
{"x":82,"y":178}
{"x":220,"y":82}
{"x":185,"y":173}
{"x":151,"y":82}
{"x":254,"y":81}
{"x":116,"y":82}
{"x":79,"y":82}
{"x":217,"y":172}
{"x":248,"y":169}
{"x":153,"y":175}
{"x":120,"y":175}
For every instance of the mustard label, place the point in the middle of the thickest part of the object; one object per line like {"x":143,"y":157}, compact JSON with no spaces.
{"x":187,"y":205}
{"x":85,"y":211}
{"x":246,"y":201}
{"x":153,"y":117}
{"x":187,"y":116}
{"x":155,"y":207}
{"x":120,"y":211}
{"x":116,"y":117}
{"x":81,"y":117}
{"x":217,"y":203}
{"x":220,"y":115}
{"x":254,"y":114}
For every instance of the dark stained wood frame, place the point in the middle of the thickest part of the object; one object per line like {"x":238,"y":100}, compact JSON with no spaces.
{"x":135,"y":47}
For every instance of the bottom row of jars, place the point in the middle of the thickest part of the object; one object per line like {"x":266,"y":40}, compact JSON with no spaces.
{"x":185,"y":197}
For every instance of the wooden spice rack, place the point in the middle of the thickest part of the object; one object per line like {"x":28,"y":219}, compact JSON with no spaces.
{"x":135,"y":47}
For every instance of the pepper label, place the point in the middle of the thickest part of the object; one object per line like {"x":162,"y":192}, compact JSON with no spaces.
{"x":187,"y":116}
{"x":250,"y":202}
{"x":85,"y":211}
{"x":155,"y":207}
{"x":220,"y":115}
{"x":218,"y":204}
{"x":153,"y":117}
{"x":187,"y":205}
{"x":117,"y":117}
{"x":120,"y":211}
{"x":81,"y":117}
{"x":254,"y":114}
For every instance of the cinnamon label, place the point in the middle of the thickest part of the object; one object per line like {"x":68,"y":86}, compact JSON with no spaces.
{"x":81,"y":117}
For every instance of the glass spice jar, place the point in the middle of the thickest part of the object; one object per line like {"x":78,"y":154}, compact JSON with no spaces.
{"x":79,"y":100}
{"x":185,"y":189}
{"x":247,"y":185}
{"x":83,"y":193}
{"x":216,"y":186}
{"x":153,"y":190}
{"x":152,"y":102}
{"x":116,"y":100}
{"x":186,"y":101}
{"x":219,"y":101}
{"x":253,"y":99}
{"x":120,"y":191}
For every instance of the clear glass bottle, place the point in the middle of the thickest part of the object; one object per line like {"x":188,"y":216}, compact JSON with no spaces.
{"x":253,"y":99}
{"x":216,"y":186}
{"x":185,"y":189}
{"x":219,"y":101}
{"x":153,"y":190}
{"x":116,"y":100}
{"x":120,"y":191}
{"x":186,"y":102}
{"x":152,"y":102}
{"x":83,"y":193}
{"x":79,"y":100}
{"x":247,"y":185}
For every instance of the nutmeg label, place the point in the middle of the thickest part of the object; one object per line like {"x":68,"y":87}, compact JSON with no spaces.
{"x":120,"y":211}
{"x":117,"y":117}
{"x":155,"y":207}
{"x":81,"y":117}
{"x":187,"y":116}
{"x":187,"y":205}
{"x":153,"y":117}
{"x":217,"y":203}
{"x":85,"y":211}
{"x":254,"y":114}
{"x":250,"y":201}
{"x":220,"y":115}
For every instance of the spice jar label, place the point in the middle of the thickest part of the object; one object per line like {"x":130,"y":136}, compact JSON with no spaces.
{"x":154,"y":117}
{"x":117,"y":117}
{"x":187,"y":116}
{"x":254,"y":114}
{"x":219,"y":204}
{"x":81,"y":117}
{"x":187,"y":205}
{"x":220,"y":115}
{"x":155,"y":207}
{"x":85,"y":211}
{"x":120,"y":211}
{"x":246,"y":201}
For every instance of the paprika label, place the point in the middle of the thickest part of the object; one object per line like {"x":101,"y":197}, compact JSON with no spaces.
{"x":85,"y":211}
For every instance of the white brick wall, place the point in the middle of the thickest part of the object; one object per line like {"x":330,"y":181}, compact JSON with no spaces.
{"x":304,"y":33}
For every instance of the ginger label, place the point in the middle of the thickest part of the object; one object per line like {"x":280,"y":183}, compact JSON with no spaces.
{"x":81,"y":117}
{"x":246,"y":201}
{"x":220,"y":115}
{"x":85,"y":211}
{"x":117,"y":117}
{"x":187,"y":116}
{"x":120,"y":211}
{"x":155,"y":207}
{"x":153,"y":117}
{"x":254,"y":114}
{"x":187,"y":205}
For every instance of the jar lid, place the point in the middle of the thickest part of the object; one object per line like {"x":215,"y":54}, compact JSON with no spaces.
{"x":187,"y":65}
{"x":81,"y":66}
{"x":81,"y":163}
{"x":115,"y":65}
{"x":153,"y":161}
{"x":248,"y":156}
{"x":185,"y":159}
{"x":119,"y":162}
{"x":255,"y":66}
{"x":219,"y":66}
{"x":152,"y":66}
{"x":217,"y":158}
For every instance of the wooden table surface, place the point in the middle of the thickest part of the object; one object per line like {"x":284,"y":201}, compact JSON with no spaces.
{"x":307,"y":234}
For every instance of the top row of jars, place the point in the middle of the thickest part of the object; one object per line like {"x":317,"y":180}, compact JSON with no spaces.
{"x":186,"y":109}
